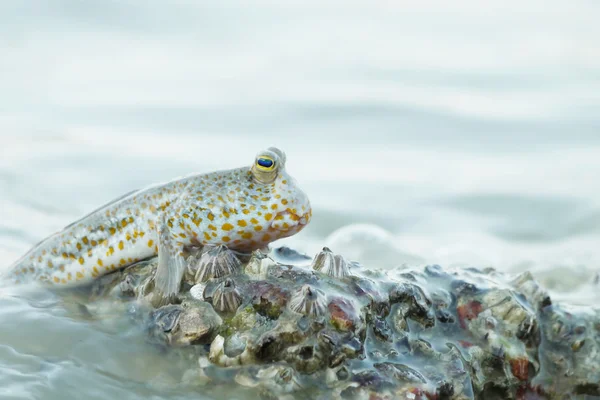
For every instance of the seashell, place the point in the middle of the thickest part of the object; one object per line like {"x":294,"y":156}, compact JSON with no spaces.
{"x":331,"y":264}
{"x":308,"y":301}
{"x":197,"y":291}
{"x":226,"y":297}
{"x":218,"y":356}
{"x":259,"y":265}
{"x":216,"y":262}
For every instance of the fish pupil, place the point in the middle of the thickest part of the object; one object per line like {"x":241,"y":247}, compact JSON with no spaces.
{"x":264,"y":162}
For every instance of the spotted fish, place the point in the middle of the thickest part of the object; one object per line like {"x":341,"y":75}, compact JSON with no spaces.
{"x":244,"y":209}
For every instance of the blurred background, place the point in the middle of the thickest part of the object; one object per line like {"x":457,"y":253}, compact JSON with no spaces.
{"x":458,"y":133}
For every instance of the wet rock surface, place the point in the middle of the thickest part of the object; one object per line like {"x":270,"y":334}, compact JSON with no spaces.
{"x":286,"y":325}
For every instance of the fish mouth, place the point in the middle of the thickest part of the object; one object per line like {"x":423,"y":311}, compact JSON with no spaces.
{"x":300,"y":219}
{"x":289,"y":220}
{"x":305,"y":218}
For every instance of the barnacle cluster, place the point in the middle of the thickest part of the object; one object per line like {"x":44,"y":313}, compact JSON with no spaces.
{"x":323,"y":327}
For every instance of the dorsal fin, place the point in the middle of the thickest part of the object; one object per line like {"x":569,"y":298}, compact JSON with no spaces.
{"x":102,"y":207}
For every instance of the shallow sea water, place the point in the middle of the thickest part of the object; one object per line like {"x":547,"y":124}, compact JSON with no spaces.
{"x":423,"y":132}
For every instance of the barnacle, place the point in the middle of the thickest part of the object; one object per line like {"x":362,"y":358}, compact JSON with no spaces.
{"x":308,"y":301}
{"x":331,"y":264}
{"x":259,"y":265}
{"x":216,"y":262}
{"x":226,"y":297}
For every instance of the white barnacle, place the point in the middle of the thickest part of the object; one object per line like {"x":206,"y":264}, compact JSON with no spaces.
{"x":259,"y":265}
{"x":308,"y":301}
{"x":226,"y":297}
{"x":197,"y":291}
{"x":331,"y":264}
{"x":216,"y":262}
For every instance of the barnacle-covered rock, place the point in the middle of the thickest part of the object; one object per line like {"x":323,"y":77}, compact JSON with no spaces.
{"x":282,"y":328}
{"x":331,"y":264}
{"x":570,"y":350}
{"x":308,"y":301}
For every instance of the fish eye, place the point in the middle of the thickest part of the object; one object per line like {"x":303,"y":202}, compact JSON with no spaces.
{"x":265,"y":163}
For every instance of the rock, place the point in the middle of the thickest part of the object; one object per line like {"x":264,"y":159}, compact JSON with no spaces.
{"x":296,"y":330}
{"x":344,"y":315}
{"x":269,"y":299}
{"x":286,"y":255}
{"x":180,"y":326}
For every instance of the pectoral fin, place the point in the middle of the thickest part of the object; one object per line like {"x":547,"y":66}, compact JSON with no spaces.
{"x":171,"y":263}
